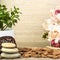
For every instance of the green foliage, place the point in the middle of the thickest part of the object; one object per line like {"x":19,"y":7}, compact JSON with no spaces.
{"x":8,"y":18}
{"x":45,"y":35}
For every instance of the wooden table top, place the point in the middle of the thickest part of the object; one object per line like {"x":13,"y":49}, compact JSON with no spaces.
{"x":31,"y":59}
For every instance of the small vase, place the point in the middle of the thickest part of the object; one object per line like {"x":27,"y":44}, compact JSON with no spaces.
{"x":7,"y":33}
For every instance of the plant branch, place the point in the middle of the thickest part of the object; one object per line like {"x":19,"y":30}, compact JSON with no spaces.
{"x":8,"y":18}
{"x":4,"y":27}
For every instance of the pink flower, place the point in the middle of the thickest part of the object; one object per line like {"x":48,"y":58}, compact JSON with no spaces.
{"x":55,"y":13}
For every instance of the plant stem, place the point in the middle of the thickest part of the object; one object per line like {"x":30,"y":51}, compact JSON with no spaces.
{"x":4,"y":27}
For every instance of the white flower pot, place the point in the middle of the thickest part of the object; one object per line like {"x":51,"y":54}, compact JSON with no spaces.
{"x":7,"y":33}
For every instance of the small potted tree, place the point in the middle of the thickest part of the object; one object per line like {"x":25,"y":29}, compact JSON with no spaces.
{"x":7,"y":20}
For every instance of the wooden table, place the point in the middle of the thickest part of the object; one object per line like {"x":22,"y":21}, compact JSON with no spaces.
{"x":31,"y":59}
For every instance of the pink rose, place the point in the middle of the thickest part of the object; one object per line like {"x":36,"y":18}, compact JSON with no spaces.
{"x":55,"y":13}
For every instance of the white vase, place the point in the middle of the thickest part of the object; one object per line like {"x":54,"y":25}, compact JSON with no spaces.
{"x":7,"y":33}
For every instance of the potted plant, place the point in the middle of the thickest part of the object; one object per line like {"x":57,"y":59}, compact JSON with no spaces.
{"x":7,"y":20}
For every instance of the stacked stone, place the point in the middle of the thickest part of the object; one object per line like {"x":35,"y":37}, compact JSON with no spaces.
{"x":7,"y":39}
{"x":9,"y":50}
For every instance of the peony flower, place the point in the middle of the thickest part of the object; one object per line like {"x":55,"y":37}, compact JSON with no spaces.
{"x":55,"y":13}
{"x":51,"y":25}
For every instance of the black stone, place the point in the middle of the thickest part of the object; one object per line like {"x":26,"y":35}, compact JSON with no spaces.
{"x":7,"y":39}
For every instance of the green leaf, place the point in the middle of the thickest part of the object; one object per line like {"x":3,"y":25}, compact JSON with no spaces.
{"x":12,"y":13}
{"x":17,"y":8}
{"x":1,"y":25}
{"x":10,"y":24}
{"x":8,"y":18}
{"x":15,"y":21}
{"x":45,"y":35}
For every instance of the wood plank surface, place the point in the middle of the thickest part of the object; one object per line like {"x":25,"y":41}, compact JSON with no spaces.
{"x":31,"y":59}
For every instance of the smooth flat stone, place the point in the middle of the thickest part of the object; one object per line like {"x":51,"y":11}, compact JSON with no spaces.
{"x":8,"y":45}
{"x":11,"y":50}
{"x":5,"y":55}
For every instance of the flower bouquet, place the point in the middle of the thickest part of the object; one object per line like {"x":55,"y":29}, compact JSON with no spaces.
{"x":52,"y":28}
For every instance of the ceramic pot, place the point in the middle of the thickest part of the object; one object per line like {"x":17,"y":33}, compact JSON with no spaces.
{"x":7,"y":33}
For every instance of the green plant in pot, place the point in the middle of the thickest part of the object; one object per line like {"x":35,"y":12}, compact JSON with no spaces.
{"x":8,"y":19}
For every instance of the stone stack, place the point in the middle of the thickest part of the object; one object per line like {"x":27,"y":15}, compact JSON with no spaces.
{"x":7,"y":39}
{"x":9,"y":50}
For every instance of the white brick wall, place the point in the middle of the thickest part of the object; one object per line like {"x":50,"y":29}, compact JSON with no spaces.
{"x":28,"y":31}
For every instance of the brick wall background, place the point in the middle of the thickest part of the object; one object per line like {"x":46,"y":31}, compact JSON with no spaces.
{"x":28,"y":31}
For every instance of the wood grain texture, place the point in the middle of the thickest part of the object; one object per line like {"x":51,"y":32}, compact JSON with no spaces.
{"x":32,"y":59}
{"x":34,"y":12}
